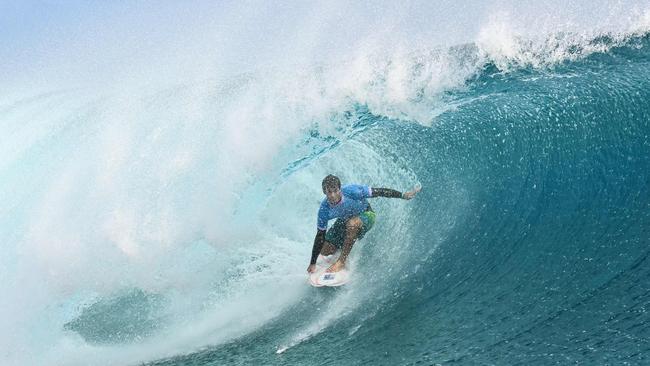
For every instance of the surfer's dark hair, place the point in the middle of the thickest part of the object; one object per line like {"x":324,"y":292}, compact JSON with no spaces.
{"x":331,"y":181}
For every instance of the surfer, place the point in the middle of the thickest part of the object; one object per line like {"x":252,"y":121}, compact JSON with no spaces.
{"x":353,"y":214}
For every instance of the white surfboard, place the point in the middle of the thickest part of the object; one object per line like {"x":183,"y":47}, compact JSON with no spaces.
{"x":321,"y":277}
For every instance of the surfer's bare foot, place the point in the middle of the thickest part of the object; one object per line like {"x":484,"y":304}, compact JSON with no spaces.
{"x":337,"y":266}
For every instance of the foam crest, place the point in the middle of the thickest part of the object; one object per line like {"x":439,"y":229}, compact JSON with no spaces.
{"x":508,"y":44}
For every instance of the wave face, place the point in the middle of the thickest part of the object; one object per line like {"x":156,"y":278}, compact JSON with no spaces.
{"x":529,"y":243}
{"x":173,"y":225}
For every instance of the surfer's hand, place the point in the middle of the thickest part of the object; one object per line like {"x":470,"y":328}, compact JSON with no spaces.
{"x":311,"y":268}
{"x":410,"y":194}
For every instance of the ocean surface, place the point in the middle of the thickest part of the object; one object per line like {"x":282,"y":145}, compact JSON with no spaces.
{"x":173,"y":225}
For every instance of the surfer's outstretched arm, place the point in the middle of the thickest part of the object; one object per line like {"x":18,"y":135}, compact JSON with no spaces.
{"x":386,"y":192}
{"x":318,"y":245}
{"x":391,"y":193}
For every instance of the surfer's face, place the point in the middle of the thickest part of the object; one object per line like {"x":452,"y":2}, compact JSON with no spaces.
{"x":333,"y":195}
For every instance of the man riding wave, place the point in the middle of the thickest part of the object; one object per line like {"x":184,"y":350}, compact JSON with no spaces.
{"x":354,"y":218}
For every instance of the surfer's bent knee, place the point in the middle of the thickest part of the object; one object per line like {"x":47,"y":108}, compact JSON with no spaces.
{"x":354,"y":222}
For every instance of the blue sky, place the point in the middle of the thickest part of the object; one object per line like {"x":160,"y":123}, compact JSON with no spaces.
{"x":59,"y":41}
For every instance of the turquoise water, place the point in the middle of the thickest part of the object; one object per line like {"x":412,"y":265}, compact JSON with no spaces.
{"x":536,"y":201}
{"x":173,"y":225}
